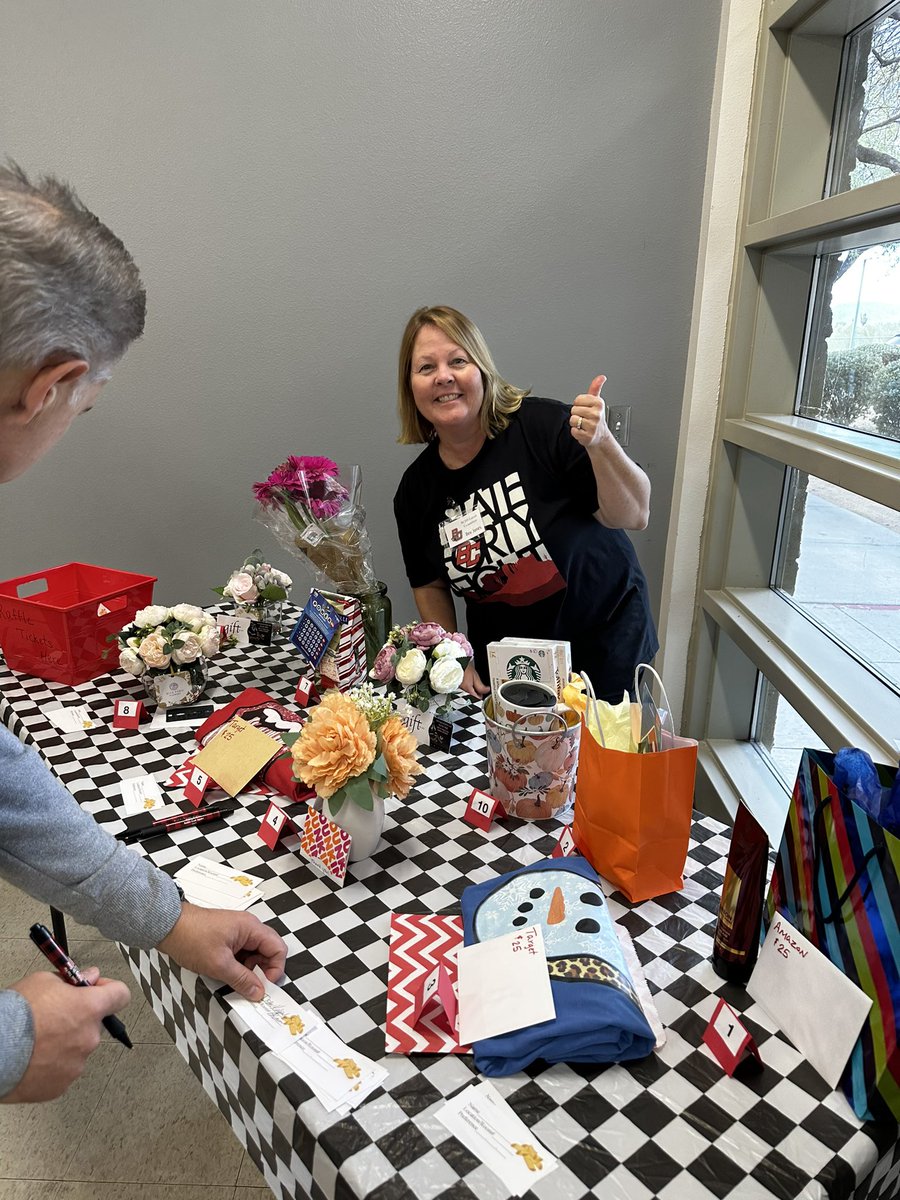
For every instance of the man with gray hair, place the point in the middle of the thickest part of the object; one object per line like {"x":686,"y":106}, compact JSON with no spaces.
{"x":71,"y":303}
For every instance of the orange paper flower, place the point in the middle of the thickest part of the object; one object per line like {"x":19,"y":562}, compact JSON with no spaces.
{"x":335,"y":746}
{"x":399,"y":748}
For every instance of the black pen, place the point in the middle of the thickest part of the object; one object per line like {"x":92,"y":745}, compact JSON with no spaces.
{"x":177,"y":821}
{"x":54,"y":953}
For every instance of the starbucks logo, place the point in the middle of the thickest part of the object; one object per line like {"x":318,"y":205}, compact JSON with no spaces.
{"x":523,"y":667}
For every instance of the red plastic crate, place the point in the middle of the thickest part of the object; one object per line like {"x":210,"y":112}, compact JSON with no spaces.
{"x":52,"y":626}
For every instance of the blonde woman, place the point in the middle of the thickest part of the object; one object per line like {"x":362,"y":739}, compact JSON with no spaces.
{"x":518,"y":505}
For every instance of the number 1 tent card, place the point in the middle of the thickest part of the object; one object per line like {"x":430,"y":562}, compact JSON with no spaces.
{"x":237,"y":753}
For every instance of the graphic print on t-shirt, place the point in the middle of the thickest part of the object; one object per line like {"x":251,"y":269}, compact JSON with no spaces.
{"x":508,"y":562}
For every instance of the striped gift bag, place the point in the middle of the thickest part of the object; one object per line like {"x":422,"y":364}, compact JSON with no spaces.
{"x":836,"y":880}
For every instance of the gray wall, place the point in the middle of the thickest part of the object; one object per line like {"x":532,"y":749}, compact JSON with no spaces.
{"x":294,"y":178}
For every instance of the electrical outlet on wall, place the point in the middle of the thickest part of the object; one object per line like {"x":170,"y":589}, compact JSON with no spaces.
{"x":619,"y":421}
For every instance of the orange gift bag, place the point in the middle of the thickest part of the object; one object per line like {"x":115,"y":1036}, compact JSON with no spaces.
{"x":633,"y":809}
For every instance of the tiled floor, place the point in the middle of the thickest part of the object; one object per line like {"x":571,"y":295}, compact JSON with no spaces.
{"x":136,"y":1126}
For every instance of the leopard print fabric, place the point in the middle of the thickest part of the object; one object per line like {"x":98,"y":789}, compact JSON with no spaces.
{"x":585,"y":968}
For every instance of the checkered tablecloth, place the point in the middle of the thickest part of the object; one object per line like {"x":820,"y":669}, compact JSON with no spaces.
{"x":673,"y":1126}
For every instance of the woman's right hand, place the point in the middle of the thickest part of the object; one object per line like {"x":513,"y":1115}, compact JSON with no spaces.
{"x":472,"y":684}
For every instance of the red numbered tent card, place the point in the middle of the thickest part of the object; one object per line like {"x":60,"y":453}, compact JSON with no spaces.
{"x":422,"y":959}
{"x":326,"y":845}
{"x":481,"y":809}
{"x":565,"y":845}
{"x":275,"y":825}
{"x":128,"y":714}
{"x":197,"y":786}
{"x":730,"y":1042}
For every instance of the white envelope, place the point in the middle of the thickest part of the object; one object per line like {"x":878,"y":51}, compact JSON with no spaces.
{"x":494,"y":978}
{"x":817,"y":1007}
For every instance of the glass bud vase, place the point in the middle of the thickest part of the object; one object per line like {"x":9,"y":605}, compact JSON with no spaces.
{"x":183,"y":686}
{"x":376,"y":615}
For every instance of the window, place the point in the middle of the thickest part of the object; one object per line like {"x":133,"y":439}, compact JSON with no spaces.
{"x":868,"y":122}
{"x":796,"y":636}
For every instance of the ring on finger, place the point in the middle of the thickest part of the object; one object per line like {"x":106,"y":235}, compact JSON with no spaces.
{"x":580,"y":422}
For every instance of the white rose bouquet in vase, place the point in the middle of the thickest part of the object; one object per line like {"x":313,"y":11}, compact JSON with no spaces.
{"x":167,"y":649}
{"x":422,"y":665}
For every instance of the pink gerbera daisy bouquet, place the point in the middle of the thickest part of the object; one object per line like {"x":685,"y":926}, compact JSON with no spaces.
{"x":314,"y":509}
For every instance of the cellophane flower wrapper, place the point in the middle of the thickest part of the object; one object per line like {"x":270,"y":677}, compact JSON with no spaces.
{"x":314,"y":509}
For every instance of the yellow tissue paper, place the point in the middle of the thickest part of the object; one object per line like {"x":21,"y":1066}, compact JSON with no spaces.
{"x":615,"y":720}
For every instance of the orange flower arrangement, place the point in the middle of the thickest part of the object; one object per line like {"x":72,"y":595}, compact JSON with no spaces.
{"x":399,"y":747}
{"x":351,"y":745}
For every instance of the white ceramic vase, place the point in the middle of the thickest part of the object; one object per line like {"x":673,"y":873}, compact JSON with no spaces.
{"x":363,"y":826}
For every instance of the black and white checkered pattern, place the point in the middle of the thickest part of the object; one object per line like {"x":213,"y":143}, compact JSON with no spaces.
{"x":671,"y":1126}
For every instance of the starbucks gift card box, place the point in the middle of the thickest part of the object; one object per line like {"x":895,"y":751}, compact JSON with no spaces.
{"x":535,"y":660}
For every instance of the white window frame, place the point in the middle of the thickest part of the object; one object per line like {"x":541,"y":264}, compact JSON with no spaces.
{"x":764,"y":223}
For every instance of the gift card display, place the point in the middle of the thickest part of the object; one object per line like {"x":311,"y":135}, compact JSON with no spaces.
{"x":504,"y":984}
{"x":141,"y":793}
{"x":790,"y":969}
{"x":315,"y":628}
{"x":75,"y":719}
{"x":420,"y":943}
{"x":486,"y":1125}
{"x":210,"y":884}
{"x":237,"y":753}
{"x":326,"y":845}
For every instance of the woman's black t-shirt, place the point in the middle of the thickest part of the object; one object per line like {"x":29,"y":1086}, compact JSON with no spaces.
{"x":513,"y":533}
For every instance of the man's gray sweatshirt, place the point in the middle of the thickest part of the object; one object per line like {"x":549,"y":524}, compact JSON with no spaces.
{"x":58,"y":853}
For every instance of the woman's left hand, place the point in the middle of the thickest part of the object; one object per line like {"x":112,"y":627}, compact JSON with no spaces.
{"x":587,"y":421}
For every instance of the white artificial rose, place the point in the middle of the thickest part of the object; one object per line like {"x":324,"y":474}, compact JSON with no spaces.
{"x":130,"y":662}
{"x":410,"y":668}
{"x":151,"y":651}
{"x":241,"y":588}
{"x":445,"y":675}
{"x":153,"y":614}
{"x":187,"y":648}
{"x":448,"y":649}
{"x":209,"y":641}
{"x":188,"y":614}
{"x":282,"y":580}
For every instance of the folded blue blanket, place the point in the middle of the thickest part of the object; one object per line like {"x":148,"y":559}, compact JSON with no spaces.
{"x":598,"y":1017}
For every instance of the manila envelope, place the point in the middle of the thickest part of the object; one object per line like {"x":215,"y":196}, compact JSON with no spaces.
{"x":236,"y":754}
